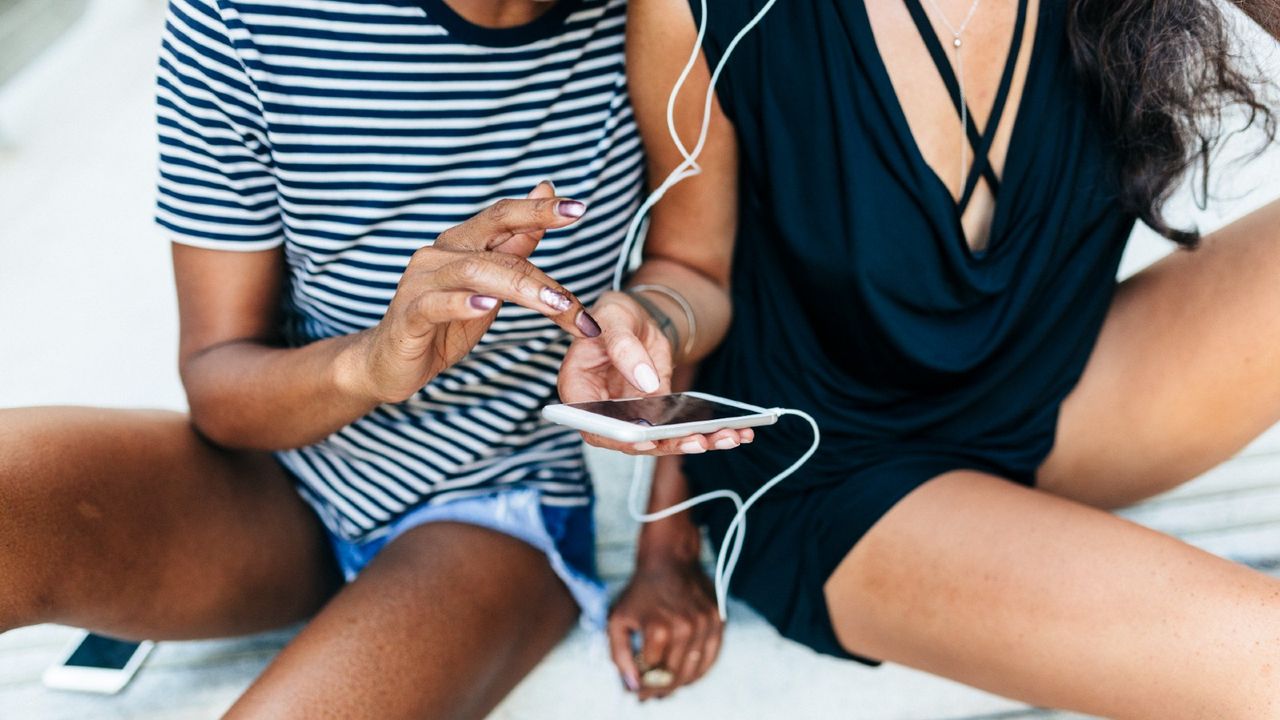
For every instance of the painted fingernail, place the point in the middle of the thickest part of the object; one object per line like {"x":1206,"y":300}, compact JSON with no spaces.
{"x":570,"y":209}
{"x":646,"y":378}
{"x":484,"y":302}
{"x":692,"y":448}
{"x":748,"y":439}
{"x":645,"y":446}
{"x":726,"y":444}
{"x":587,"y":324}
{"x":556,"y":300}
{"x":632,"y":682}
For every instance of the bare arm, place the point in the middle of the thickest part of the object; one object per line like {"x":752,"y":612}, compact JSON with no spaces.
{"x":246,"y":390}
{"x":669,"y":602}
{"x":691,"y":232}
{"x":243,"y":387}
{"x":689,"y":247}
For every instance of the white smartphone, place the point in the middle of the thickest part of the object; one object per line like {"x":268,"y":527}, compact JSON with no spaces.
{"x":97,"y":664}
{"x":660,"y":417}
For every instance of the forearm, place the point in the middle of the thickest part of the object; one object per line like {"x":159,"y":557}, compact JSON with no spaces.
{"x":248,"y":395}
{"x":708,"y":300}
{"x":673,"y":539}
{"x":1264,"y":12}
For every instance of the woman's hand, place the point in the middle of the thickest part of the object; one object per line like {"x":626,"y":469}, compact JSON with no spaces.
{"x":630,"y":358}
{"x":451,"y":291}
{"x":670,"y":606}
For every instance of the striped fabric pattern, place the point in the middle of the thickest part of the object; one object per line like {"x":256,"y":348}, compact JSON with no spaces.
{"x":351,"y":134}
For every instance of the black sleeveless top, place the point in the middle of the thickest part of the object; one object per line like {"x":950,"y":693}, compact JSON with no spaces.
{"x":855,"y":294}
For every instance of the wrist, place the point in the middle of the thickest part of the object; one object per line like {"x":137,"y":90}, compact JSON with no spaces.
{"x":674,"y":540}
{"x":666,"y":304}
{"x":350,"y":374}
{"x":659,"y":319}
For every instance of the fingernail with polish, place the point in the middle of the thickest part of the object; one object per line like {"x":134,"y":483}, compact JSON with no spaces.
{"x":692,"y":448}
{"x":570,"y":209}
{"x":483,"y":302}
{"x":632,"y":683}
{"x":726,"y":444}
{"x":646,"y":378}
{"x":645,"y":446}
{"x":587,"y":324}
{"x":555,"y":300}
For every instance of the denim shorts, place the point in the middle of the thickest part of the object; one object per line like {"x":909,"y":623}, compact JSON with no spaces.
{"x":566,"y":535}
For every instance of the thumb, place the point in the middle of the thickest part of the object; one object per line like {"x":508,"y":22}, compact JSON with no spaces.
{"x":544,"y":189}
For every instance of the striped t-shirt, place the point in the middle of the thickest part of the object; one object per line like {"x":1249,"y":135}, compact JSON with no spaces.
{"x":352,"y":133}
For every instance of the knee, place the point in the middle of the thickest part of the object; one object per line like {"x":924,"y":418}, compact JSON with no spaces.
{"x":26,"y":592}
{"x":27,"y":569}
{"x":23,"y":606}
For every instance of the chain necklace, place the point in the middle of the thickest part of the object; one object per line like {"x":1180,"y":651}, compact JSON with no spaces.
{"x":958,"y":43}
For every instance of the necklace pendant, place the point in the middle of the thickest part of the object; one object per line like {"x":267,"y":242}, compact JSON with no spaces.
{"x":958,"y":43}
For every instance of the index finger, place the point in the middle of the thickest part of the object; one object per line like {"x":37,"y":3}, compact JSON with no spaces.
{"x":508,"y":217}
{"x":515,"y":279}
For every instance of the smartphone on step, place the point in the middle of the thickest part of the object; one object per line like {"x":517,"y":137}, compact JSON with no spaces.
{"x":97,"y":664}
{"x":660,"y":417}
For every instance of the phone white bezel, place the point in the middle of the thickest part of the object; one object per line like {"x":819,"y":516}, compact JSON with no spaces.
{"x":104,"y":681}
{"x":623,"y":431}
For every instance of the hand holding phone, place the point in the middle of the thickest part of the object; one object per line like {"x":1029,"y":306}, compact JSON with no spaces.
{"x":630,"y":357}
{"x":661,"y":417}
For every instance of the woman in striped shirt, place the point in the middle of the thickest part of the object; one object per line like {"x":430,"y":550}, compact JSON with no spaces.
{"x":366,"y":316}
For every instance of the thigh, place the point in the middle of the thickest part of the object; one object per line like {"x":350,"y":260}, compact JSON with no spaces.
{"x":442,"y":624}
{"x":127,"y":522}
{"x":1058,"y":604}
{"x":1185,"y":372}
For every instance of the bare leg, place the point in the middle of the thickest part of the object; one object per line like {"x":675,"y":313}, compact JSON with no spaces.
{"x":1057,"y":604}
{"x":442,"y":624}
{"x":126,"y":522}
{"x":1185,"y":373}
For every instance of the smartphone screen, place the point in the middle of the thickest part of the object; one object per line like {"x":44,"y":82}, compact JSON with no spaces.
{"x":663,"y":410}
{"x":96,"y":651}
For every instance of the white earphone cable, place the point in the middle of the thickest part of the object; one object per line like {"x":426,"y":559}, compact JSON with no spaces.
{"x":735,"y":534}
{"x":689,"y":167}
{"x":731,"y":546}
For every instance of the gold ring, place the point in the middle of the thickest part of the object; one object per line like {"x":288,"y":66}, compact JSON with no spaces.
{"x":657,"y":678}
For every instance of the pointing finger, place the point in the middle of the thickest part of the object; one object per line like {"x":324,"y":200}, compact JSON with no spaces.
{"x":506,"y":218}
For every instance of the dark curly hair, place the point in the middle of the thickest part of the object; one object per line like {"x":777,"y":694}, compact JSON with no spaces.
{"x":1165,"y":74}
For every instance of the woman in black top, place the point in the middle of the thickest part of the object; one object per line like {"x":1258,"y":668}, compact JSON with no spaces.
{"x":926,"y":263}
